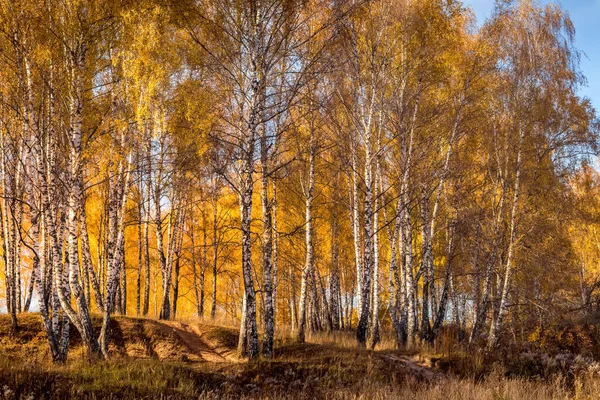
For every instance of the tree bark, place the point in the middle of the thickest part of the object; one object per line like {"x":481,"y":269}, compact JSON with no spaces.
{"x":269,"y":323}
{"x":309,"y":255}
{"x":497,"y":324}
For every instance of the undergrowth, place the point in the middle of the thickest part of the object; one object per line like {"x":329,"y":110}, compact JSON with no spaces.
{"x":149,"y":362}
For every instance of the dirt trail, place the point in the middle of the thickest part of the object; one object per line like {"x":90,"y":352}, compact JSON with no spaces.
{"x":194,"y":338}
{"x":417,"y":368}
{"x":210,"y":343}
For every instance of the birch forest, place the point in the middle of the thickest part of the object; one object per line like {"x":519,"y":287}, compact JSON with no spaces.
{"x":388,"y":171}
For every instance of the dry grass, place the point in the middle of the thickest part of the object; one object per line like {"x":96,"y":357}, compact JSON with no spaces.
{"x":493,"y":387}
{"x":153,"y":359}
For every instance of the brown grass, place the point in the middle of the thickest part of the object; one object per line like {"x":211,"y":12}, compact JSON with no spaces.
{"x":194,"y":359}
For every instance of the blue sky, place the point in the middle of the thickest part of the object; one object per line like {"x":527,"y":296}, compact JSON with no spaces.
{"x":586,"y":18}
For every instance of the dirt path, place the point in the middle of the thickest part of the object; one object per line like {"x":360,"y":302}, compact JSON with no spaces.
{"x":416,"y":367}
{"x":192,"y":337}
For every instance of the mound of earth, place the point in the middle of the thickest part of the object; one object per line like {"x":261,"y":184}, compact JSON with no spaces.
{"x":130,"y":337}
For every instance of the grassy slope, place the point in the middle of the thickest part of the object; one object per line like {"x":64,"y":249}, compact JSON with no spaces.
{"x":153,"y":359}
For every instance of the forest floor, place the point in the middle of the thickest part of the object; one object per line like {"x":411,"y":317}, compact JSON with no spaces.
{"x":193,"y":359}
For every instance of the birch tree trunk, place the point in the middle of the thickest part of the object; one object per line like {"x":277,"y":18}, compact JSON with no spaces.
{"x":123,"y":268}
{"x":375,"y":323}
{"x":269,"y":323}
{"x":205,"y":262}
{"x":408,"y":277}
{"x":275,"y":245}
{"x":39,"y":244}
{"x":443,"y":305}
{"x":355,"y":221}
{"x":165,"y":266}
{"x":334,"y":280}
{"x":140,"y":251}
{"x":497,"y":324}
{"x":147,"y":213}
{"x":7,"y":234}
{"x":194,"y":268}
{"x":178,"y":246}
{"x":365,"y":278}
{"x":243,"y":339}
{"x":248,"y":326}
{"x":309,"y":256}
